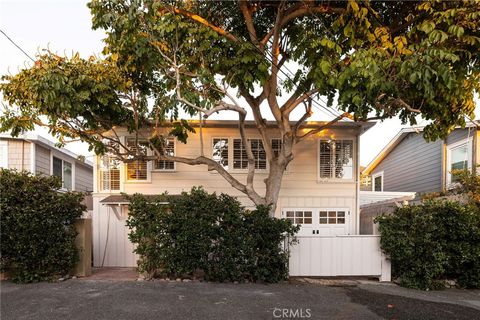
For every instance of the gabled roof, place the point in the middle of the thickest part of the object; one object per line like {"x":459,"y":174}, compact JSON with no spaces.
{"x":46,"y":143}
{"x":396,"y":141}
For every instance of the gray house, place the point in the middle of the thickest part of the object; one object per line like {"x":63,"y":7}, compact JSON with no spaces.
{"x":38,"y":155}
{"x":410,"y":164}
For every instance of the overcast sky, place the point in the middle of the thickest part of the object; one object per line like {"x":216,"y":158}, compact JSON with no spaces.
{"x":64,"y":26}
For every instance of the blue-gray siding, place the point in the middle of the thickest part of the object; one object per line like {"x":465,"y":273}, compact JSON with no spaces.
{"x":459,"y":134}
{"x":413,"y":166}
{"x":83,"y":177}
{"x":42,"y":160}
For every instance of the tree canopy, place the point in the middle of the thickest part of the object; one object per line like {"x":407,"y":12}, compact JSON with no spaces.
{"x":371,"y":60}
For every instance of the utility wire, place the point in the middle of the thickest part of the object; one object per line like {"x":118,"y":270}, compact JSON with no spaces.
{"x":16,"y":45}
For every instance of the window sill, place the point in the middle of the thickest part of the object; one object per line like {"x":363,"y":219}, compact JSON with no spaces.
{"x":137,"y":181}
{"x":164,"y":171}
{"x":339,"y":181}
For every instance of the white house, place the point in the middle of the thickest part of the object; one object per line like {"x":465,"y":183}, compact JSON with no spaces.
{"x":320,"y":192}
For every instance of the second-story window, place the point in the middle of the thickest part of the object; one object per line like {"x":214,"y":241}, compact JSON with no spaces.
{"x":220,"y":151}
{"x":109,"y":173}
{"x":63,"y":170}
{"x":137,"y":170}
{"x":240,"y":159}
{"x":167,"y":165}
{"x":336,"y":159}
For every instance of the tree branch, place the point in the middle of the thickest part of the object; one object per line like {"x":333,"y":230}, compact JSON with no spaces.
{"x":321,"y":128}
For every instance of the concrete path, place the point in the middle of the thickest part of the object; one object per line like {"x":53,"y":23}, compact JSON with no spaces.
{"x":99,"y":299}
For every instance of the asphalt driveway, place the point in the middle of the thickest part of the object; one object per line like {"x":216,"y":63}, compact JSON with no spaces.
{"x":97,"y":299}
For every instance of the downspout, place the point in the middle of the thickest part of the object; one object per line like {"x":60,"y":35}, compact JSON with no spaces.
{"x":357,"y":186}
{"x":444,"y":166}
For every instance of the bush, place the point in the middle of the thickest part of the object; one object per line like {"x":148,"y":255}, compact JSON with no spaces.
{"x":209,"y":234}
{"x":432,"y":242}
{"x":37,"y":231}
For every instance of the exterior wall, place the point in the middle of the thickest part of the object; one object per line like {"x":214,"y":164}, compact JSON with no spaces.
{"x":42,"y":160}
{"x":459,"y":135}
{"x":367,"y":197}
{"x":412,"y":166}
{"x":83,"y":177}
{"x":19,"y":154}
{"x":300,"y":188}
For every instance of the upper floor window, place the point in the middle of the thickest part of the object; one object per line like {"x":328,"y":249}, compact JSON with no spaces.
{"x":240,"y":159}
{"x":137,"y":170}
{"x":459,"y":157}
{"x":167,"y":165}
{"x":63,"y":170}
{"x":377,"y":182}
{"x":109,"y":173}
{"x":276,"y":146}
{"x":336,"y":159}
{"x":220,"y":151}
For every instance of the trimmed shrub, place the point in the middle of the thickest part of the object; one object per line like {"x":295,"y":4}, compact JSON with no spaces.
{"x":208,"y":234}
{"x":431,"y":242}
{"x":37,"y":226}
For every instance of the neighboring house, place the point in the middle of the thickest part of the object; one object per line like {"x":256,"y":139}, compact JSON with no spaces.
{"x":320,"y":192}
{"x":38,"y":155}
{"x":411,"y":164}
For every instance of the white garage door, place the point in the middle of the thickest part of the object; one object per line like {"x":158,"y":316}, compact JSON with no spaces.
{"x":319,"y":221}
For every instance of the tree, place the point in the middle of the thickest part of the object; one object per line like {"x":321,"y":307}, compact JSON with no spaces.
{"x":376,"y":60}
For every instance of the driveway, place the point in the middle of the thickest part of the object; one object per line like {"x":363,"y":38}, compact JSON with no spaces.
{"x":99,"y":299}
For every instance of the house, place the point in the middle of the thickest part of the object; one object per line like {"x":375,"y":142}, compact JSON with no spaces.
{"x":320,"y":192}
{"x":38,"y":155}
{"x":411,"y":164}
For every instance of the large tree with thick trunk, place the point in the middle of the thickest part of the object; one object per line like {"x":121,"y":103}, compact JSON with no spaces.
{"x":165,"y":59}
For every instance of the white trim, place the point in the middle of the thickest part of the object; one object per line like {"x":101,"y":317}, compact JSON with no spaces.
{"x":4,"y":160}
{"x":378,"y":174}
{"x":354,"y":161}
{"x":449,"y":148}
{"x":33,"y":158}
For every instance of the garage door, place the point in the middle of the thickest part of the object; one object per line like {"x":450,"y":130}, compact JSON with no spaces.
{"x":319,"y":221}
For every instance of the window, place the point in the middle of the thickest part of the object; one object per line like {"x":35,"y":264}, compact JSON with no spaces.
{"x":377,"y":184}
{"x":3,"y":154}
{"x":167,"y":165}
{"x":332,"y":217}
{"x":300,"y":217}
{"x":109,"y":173}
{"x":459,"y":157}
{"x":336,"y":159}
{"x":220,"y":151}
{"x":276,"y":146}
{"x":63,"y":170}
{"x":240,"y":159}
{"x":137,"y":170}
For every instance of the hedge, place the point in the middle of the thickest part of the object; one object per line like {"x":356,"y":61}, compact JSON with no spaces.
{"x":211,"y":235}
{"x":432,"y":242}
{"x":37,"y":226}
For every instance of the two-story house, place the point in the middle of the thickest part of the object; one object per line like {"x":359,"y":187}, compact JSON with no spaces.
{"x":320,"y":192}
{"x":39,"y":155}
{"x":411,"y":164}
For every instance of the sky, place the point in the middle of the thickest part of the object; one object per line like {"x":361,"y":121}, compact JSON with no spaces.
{"x":64,"y":26}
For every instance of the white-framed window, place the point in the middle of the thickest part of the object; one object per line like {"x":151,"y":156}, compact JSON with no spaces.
{"x":299,"y":216}
{"x":63,"y":170}
{"x":4,"y":154}
{"x":220,"y":151}
{"x":109,"y":173}
{"x":137,"y":170}
{"x":331,"y":217}
{"x":166,"y":165}
{"x":377,"y":181}
{"x":459,"y":157}
{"x":276,"y":146}
{"x":335,"y":159}
{"x":240,"y":159}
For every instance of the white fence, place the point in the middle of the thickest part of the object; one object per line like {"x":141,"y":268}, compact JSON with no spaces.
{"x":367,"y":197}
{"x":334,"y":256}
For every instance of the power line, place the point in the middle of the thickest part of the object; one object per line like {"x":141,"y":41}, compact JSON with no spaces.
{"x":16,"y":45}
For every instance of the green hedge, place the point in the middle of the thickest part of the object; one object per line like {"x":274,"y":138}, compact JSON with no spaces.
{"x":37,"y":231}
{"x":209,"y":234}
{"x":432,"y":242}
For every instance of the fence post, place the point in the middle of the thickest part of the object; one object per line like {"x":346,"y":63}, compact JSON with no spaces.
{"x":84,"y":245}
{"x":386,"y":275}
